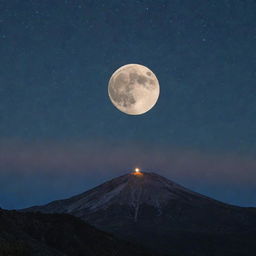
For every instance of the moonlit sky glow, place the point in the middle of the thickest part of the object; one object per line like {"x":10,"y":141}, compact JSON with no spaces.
{"x":60,"y":134}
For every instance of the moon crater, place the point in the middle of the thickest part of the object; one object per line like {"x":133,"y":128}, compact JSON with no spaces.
{"x":133,"y":89}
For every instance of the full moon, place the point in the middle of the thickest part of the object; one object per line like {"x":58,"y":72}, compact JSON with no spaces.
{"x":133,"y":89}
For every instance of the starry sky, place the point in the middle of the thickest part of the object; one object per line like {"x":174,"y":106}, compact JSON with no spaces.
{"x":59,"y":133}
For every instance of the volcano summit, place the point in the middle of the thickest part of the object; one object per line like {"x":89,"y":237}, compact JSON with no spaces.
{"x":162,"y":215}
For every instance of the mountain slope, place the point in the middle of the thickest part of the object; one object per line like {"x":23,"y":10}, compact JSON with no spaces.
{"x":160,"y":214}
{"x":27,"y":234}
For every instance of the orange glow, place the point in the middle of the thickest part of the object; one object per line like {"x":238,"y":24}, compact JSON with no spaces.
{"x":137,"y":172}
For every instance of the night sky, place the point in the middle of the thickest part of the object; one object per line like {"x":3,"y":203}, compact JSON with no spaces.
{"x":60,"y":134}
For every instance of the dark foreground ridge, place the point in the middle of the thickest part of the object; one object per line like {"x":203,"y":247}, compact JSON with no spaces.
{"x":157,"y":213}
{"x":37,"y":234}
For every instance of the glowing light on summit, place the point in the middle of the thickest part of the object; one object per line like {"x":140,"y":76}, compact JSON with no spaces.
{"x":137,"y":171}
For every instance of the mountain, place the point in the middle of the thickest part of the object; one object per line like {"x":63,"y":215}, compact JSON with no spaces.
{"x":37,"y":234}
{"x":153,"y":211}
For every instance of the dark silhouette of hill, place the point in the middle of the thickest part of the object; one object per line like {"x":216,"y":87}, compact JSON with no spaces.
{"x":29,"y":234}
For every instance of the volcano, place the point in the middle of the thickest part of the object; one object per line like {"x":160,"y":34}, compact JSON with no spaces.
{"x":155,"y":212}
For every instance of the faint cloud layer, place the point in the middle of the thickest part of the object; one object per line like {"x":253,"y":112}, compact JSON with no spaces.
{"x":98,"y":156}
{"x":42,"y":171}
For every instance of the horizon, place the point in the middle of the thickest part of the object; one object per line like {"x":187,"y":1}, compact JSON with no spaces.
{"x":130,"y":172}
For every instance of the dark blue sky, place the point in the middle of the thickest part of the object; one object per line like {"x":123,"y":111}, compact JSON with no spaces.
{"x":60,"y":134}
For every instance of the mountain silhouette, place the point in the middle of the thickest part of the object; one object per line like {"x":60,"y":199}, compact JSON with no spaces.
{"x":37,"y":234}
{"x":155,"y":212}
